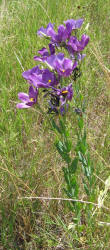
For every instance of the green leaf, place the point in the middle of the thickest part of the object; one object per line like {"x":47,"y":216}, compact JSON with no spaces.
{"x":62,"y":126}
{"x":80,"y":123}
{"x":62,"y":151}
{"x":73,"y":187}
{"x":54,"y":125}
{"x":66,"y":176}
{"x":86,"y":188}
{"x":61,"y":147}
{"x":82,"y":159}
{"x":88,"y":172}
{"x":68,"y":145}
{"x":73,"y":166}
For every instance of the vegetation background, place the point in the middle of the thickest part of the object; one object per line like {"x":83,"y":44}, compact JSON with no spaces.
{"x":29,"y":164}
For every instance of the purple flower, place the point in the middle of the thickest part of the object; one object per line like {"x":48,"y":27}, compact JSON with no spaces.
{"x":58,"y":99}
{"x":65,"y":95}
{"x":64,"y":66}
{"x":61,"y":36}
{"x":74,"y":45}
{"x":48,"y":31}
{"x":72,"y":24}
{"x":51,"y":60}
{"x":66,"y":92}
{"x":29,"y":72}
{"x":44,"y":53}
{"x":27,"y":100}
{"x":84,"y":40}
{"x":45,"y":80}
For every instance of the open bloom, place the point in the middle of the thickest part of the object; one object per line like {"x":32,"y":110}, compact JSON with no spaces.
{"x":48,"y":31}
{"x":28,"y":100}
{"x":72,"y":24}
{"x":59,"y":98}
{"x":45,"y":80}
{"x":64,"y":66}
{"x":29,"y":72}
{"x":61,"y":36}
{"x":65,"y":92}
{"x":65,"y":95}
{"x":44,"y":53}
{"x":63,"y":33}
{"x":74,"y":45}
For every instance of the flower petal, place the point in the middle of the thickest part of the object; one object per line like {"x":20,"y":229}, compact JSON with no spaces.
{"x":22,"y":106}
{"x":23,"y":97}
{"x":27,"y":73}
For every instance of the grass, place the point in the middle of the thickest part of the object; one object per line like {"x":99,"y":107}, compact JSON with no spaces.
{"x":30,"y":165}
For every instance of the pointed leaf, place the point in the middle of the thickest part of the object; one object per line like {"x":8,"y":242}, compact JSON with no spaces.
{"x":68,"y":145}
{"x":55,"y":126}
{"x":61,"y":149}
{"x":73,"y":166}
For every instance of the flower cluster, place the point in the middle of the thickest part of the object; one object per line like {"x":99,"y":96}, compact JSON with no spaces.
{"x":52,"y":77}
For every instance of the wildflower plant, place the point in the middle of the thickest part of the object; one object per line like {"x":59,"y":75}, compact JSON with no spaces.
{"x":55,"y":75}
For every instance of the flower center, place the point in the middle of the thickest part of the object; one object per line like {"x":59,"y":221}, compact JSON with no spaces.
{"x":32,"y":99}
{"x":63,"y":70}
{"x":49,"y":80}
{"x":64,"y":92}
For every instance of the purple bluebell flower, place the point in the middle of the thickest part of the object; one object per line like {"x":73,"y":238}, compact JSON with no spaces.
{"x":45,"y":80}
{"x":84,"y":40}
{"x":59,"y":98}
{"x":44,"y":53}
{"x":64,"y":66}
{"x":66,"y":95}
{"x":72,"y":24}
{"x":28,"y":100}
{"x":51,"y":60}
{"x":65,"y":92}
{"x":48,"y":31}
{"x":75,"y":46}
{"x":29,"y":72}
{"x":61,"y":36}
{"x":68,"y":92}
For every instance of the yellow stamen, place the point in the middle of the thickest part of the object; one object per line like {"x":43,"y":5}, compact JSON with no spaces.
{"x":63,"y":70}
{"x":49,"y":80}
{"x":64,"y":91}
{"x":31,"y":99}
